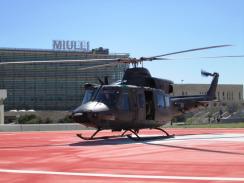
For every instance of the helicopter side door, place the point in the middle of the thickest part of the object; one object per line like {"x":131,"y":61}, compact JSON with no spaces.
{"x":134,"y":104}
{"x":124,"y":112}
{"x":162,"y":112}
{"x":141,"y":105}
{"x":150,"y":105}
{"x":137,"y":104}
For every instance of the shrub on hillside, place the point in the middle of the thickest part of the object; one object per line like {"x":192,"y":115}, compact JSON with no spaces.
{"x":66,"y":119}
{"x":29,"y":119}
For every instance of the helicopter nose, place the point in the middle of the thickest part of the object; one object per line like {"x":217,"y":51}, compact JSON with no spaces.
{"x":80,"y":117}
{"x":89,"y":112}
{"x":91,"y":107}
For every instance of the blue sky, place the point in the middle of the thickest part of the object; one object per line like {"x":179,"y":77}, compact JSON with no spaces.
{"x":138,"y":27}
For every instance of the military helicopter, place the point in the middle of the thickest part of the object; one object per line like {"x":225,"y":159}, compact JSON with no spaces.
{"x":138,"y":101}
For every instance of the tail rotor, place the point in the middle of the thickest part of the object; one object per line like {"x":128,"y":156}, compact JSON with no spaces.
{"x":206,"y":74}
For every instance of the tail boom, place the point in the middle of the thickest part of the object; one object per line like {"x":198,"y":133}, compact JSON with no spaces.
{"x":192,"y":102}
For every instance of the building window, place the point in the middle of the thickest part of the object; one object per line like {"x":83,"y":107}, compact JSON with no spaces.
{"x":240,"y":96}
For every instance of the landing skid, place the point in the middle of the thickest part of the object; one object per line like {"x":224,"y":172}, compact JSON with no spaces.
{"x":138,"y":138}
{"x":135,"y":132}
{"x":103,"y":137}
{"x":98,"y":138}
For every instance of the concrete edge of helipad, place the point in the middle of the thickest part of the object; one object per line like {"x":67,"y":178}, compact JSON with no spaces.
{"x":42,"y":127}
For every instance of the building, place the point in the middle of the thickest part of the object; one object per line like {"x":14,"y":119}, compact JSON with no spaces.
{"x":52,"y":86}
{"x":3,"y":95}
{"x":224,"y":93}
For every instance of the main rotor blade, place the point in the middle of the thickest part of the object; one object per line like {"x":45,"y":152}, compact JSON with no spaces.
{"x":190,"y":50}
{"x":226,"y":56}
{"x":152,"y":58}
{"x":60,"y":61}
{"x":211,"y":57}
{"x":99,"y":66}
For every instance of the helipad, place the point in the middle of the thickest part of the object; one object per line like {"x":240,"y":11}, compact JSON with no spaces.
{"x":194,"y":155}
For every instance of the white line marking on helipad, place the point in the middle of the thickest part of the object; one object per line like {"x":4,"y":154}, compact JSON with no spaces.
{"x":202,"y":137}
{"x":122,"y":175}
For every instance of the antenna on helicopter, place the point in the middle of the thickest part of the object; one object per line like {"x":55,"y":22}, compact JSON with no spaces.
{"x":105,"y":82}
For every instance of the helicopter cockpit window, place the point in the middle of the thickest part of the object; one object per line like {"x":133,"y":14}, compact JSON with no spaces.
{"x":160,"y":100}
{"x":88,"y":95}
{"x":108,"y":97}
{"x":124,"y":102}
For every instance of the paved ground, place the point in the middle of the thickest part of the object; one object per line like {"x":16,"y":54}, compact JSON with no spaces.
{"x":194,"y":155}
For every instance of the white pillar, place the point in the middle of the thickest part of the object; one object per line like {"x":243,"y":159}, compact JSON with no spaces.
{"x":3,"y":95}
{"x":1,"y":113}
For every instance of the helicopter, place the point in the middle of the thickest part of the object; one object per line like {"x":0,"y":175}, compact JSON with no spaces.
{"x":122,"y":107}
{"x":138,"y":101}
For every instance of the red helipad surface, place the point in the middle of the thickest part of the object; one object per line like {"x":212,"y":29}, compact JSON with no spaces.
{"x":194,"y":155}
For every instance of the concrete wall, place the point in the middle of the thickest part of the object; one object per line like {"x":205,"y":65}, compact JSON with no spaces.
{"x":232,"y":120}
{"x":55,"y":116}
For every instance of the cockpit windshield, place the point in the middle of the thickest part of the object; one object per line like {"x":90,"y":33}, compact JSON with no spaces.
{"x":108,"y":97}
{"x":88,"y":95}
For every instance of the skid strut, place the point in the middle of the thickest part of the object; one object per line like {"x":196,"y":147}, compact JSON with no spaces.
{"x":103,"y":137}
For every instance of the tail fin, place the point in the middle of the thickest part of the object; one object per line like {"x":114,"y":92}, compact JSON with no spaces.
{"x":212,"y":89}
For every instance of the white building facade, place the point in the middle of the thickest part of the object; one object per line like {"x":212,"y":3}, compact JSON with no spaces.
{"x":225,"y":92}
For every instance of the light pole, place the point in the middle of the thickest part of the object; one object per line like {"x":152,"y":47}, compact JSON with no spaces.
{"x":182,"y":93}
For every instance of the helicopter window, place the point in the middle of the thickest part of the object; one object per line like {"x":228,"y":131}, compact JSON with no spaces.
{"x":141,"y":100}
{"x":167,"y":101}
{"x":108,"y":97}
{"x":124,"y":102}
{"x":160,"y":100}
{"x":88,"y":96}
